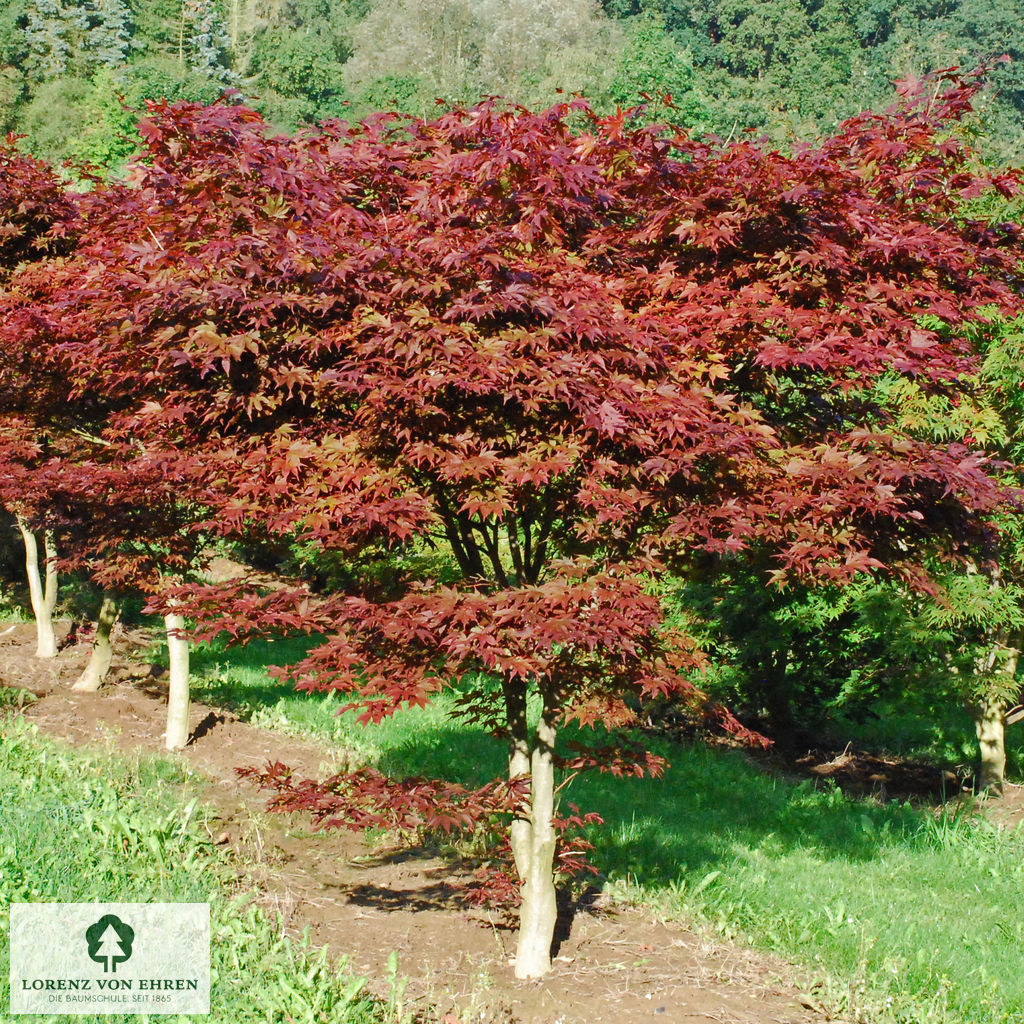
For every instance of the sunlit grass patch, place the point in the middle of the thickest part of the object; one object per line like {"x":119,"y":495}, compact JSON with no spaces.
{"x":81,"y":828}
{"x":907,"y":915}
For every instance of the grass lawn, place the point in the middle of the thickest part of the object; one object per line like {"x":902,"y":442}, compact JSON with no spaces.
{"x":894,"y":912}
{"x":82,"y":828}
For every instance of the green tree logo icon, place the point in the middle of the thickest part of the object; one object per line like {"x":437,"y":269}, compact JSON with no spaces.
{"x":110,"y":942}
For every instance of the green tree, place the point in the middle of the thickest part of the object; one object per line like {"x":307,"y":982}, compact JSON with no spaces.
{"x":995,"y":617}
{"x":109,"y":34}
{"x":458,"y":50}
{"x":46,"y":32}
{"x":13,"y":60}
{"x":50,"y":118}
{"x":156,"y":25}
{"x":106,"y":136}
{"x":799,"y":66}
{"x":652,"y":64}
{"x":303,"y":67}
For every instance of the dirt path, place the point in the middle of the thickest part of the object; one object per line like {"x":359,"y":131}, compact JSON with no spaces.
{"x":616,"y":965}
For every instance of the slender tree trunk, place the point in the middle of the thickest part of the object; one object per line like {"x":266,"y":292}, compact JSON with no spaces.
{"x":990,"y":725}
{"x":181,"y":36}
{"x":102,"y":652}
{"x":539,"y":911}
{"x":177,"y":698}
{"x":989,"y":711}
{"x":42,"y":588}
{"x":518,"y":768}
{"x":50,"y":590}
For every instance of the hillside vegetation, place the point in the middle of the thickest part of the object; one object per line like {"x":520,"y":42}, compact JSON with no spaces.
{"x":74,"y":72}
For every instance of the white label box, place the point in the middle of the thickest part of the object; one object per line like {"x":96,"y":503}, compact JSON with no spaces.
{"x":110,"y":958}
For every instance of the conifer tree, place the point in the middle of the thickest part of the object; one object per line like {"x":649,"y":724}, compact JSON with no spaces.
{"x":109,"y":35}
{"x":46,"y":32}
{"x":207,"y":39}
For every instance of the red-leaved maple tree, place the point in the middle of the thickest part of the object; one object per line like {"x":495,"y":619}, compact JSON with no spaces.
{"x":569,"y":353}
{"x":113,"y":514}
{"x":37,"y":221}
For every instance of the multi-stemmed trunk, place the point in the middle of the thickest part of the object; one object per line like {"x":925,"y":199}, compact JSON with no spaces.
{"x":532,"y":831}
{"x":177,"y":697}
{"x":42,"y":588}
{"x":95,"y":672}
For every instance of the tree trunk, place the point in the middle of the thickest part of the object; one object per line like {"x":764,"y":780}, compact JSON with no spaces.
{"x":177,"y":698}
{"x":989,"y":712}
{"x":234,"y":19}
{"x":990,"y":725}
{"x":50,"y":590}
{"x":538,"y":913}
{"x":518,"y":768}
{"x":43,"y":595}
{"x":102,"y":652}
{"x":181,"y":36}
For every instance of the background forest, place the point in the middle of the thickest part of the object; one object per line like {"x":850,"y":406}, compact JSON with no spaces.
{"x":790,"y":68}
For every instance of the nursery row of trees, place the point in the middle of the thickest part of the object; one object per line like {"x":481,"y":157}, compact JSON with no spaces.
{"x":793,"y":68}
{"x":604,"y":398}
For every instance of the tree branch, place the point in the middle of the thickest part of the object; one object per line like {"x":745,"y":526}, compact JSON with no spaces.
{"x":512,"y":532}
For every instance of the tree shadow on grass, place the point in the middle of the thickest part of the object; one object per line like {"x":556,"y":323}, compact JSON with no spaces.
{"x":710,"y":807}
{"x":446,"y":751}
{"x":235,"y":678}
{"x":245,"y":701}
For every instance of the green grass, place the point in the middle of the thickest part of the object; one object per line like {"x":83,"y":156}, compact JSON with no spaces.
{"x":419,"y":741}
{"x":913,"y":917}
{"x":16,"y":698}
{"x":936,"y":733}
{"x":83,"y":828}
{"x":894,"y":912}
{"x":13,"y":613}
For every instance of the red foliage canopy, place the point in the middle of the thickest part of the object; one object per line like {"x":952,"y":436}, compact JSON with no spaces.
{"x":36,"y":215}
{"x":570,"y":357}
{"x":569,"y":354}
{"x":37,"y":221}
{"x":113,"y":511}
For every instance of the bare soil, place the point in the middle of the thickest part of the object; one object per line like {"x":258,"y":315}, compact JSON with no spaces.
{"x":614,"y":965}
{"x":861,"y":773}
{"x":885,"y":778}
